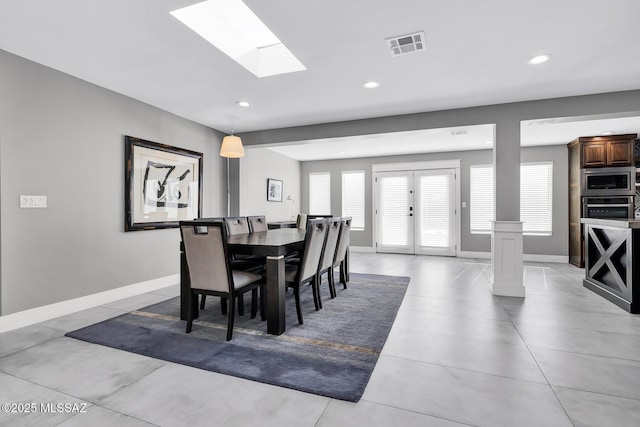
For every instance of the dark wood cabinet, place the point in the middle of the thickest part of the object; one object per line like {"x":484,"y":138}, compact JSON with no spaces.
{"x":594,"y":154}
{"x":591,"y":152}
{"x":606,"y":151}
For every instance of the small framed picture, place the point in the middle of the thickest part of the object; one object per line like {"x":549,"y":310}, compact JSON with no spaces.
{"x":274,"y":190}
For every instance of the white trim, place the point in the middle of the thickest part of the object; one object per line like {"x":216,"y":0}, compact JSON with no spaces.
{"x":471,"y":254}
{"x":435,"y":164}
{"x":559,"y":259}
{"x":51,"y":311}
{"x":366,"y":249}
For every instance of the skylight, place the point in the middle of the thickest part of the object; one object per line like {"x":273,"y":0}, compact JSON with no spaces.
{"x":233,"y":28}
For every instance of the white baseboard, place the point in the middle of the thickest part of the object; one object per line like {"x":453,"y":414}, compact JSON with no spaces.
{"x":51,"y":311}
{"x":470,"y":254}
{"x":560,"y":259}
{"x":367,"y":249}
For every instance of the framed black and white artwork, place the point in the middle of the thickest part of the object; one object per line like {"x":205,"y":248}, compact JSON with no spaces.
{"x":163,"y":185}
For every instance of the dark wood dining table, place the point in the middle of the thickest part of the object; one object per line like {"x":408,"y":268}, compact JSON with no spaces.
{"x":274,"y":245}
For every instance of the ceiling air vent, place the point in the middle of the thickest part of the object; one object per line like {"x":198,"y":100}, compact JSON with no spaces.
{"x":406,"y":44}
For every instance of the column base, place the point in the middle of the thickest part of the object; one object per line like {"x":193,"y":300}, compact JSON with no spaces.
{"x":506,"y":259}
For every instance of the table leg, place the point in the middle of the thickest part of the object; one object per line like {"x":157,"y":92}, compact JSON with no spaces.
{"x":275,"y":295}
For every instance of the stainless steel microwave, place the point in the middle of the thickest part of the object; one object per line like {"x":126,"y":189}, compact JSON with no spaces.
{"x":609,"y":181}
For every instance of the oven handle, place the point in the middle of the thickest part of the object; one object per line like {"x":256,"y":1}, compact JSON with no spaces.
{"x":624,"y":205}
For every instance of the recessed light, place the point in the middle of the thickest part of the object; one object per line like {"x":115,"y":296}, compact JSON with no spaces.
{"x":370,"y":84}
{"x":607,"y":133}
{"x":539,"y":59}
{"x":488,"y":142}
{"x":242,"y":103}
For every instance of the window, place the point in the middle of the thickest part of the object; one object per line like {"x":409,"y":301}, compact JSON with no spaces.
{"x":481,"y":200}
{"x":320,"y":193}
{"x":536,"y":198}
{"x":353,"y":198}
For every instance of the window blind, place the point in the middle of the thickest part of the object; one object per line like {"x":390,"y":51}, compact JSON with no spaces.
{"x":394,"y":228}
{"x":536,"y":198}
{"x":481,"y":200}
{"x":434,"y":212}
{"x":353,"y":198}
{"x":320,"y":193}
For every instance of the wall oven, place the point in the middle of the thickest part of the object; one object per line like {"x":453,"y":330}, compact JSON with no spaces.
{"x":609,"y":181}
{"x":614,"y":207}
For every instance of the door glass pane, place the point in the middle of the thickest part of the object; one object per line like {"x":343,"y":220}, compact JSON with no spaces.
{"x":394,"y":207}
{"x":434,"y":211}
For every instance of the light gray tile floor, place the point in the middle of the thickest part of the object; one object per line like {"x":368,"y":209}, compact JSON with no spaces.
{"x":455,"y":356}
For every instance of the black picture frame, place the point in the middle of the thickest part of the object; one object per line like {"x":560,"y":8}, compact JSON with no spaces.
{"x":163,"y":185}
{"x":274,"y":190}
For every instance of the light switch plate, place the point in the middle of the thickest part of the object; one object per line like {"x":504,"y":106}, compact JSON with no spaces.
{"x":27,"y":202}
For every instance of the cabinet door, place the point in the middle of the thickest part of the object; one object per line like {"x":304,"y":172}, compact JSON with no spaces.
{"x":594,"y":154}
{"x":619,"y":153}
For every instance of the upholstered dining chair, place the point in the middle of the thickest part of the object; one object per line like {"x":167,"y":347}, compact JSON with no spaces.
{"x":238,"y":225}
{"x":306,"y":271}
{"x":210,"y":273}
{"x":340,"y":258}
{"x":301,"y":221}
{"x":257,"y":223}
{"x":328,"y":255}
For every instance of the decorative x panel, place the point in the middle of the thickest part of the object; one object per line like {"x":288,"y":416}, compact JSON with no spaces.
{"x":605,"y":255}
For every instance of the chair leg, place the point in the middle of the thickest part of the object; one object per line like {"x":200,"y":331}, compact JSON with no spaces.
{"x":314,"y":291}
{"x":332,"y":282}
{"x":190,"y":313}
{"x":254,"y":302}
{"x":204,"y":297}
{"x":296,"y":294}
{"x":240,"y":305}
{"x":318,"y":284}
{"x":231,"y":315}
{"x":343,"y":275}
{"x":223,"y":305}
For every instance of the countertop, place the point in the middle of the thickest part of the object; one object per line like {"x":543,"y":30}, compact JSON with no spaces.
{"x":620,"y":223}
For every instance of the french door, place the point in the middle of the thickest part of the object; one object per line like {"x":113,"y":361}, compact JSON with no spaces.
{"x":415,"y":212}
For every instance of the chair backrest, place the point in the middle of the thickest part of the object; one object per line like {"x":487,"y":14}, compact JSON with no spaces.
{"x":205,"y":247}
{"x":301,"y":222}
{"x":209,"y":219}
{"x":236,"y":225}
{"x":343,"y":240}
{"x":330,"y":243}
{"x":313,"y":244}
{"x":257,"y":223}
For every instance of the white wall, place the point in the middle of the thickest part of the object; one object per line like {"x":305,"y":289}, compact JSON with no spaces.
{"x":256,"y":167}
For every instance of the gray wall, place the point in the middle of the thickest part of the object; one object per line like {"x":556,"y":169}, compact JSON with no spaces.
{"x":557,"y":244}
{"x":506,"y":117}
{"x":64,"y":138}
{"x":256,"y":167}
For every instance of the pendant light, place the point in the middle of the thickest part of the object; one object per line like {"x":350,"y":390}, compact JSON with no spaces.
{"x":232,"y":147}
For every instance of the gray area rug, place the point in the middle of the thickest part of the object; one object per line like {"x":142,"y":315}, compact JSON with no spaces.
{"x":332,"y":354}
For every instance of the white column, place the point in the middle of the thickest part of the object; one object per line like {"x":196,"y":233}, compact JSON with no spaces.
{"x":506,"y":256}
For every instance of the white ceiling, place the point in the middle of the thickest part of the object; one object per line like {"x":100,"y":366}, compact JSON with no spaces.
{"x":476,"y":55}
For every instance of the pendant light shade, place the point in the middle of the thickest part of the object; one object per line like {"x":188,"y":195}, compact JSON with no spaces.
{"x":232,"y":147}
